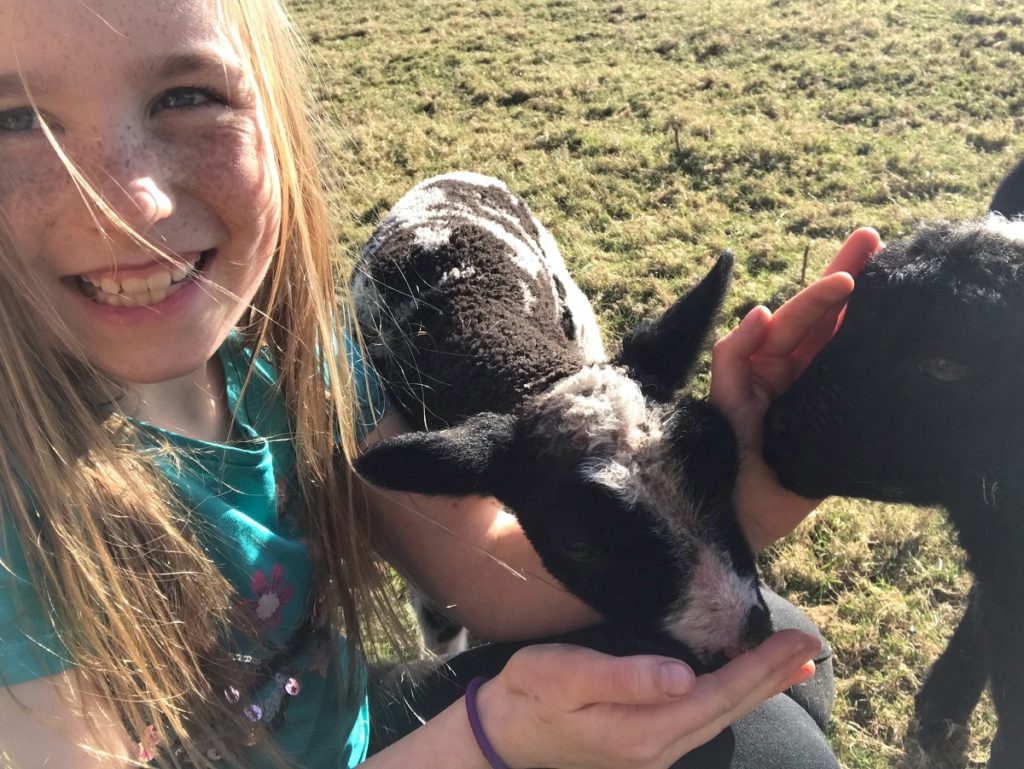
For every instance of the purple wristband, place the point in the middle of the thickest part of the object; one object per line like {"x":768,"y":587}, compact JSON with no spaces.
{"x":478,"y":730}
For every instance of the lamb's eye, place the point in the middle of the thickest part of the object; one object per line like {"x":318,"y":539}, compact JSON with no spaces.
{"x":943,"y":369}
{"x":579,"y":549}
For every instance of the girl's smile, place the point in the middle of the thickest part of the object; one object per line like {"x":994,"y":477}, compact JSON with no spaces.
{"x":146,"y":285}
{"x":154,"y":110}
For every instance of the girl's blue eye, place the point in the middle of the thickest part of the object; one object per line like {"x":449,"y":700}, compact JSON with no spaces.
{"x":18,"y":120}
{"x":185,"y":98}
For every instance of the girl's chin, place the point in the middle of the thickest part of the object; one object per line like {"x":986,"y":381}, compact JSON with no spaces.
{"x":178,"y":360}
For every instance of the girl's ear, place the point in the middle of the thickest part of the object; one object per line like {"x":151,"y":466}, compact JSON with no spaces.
{"x":660,"y":354}
{"x":472,"y":458}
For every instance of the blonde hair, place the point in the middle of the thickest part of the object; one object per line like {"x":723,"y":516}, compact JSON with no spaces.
{"x":137,"y":602}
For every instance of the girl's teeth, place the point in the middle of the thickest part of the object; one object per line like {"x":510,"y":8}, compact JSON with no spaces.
{"x":136,"y":292}
{"x":134,"y":285}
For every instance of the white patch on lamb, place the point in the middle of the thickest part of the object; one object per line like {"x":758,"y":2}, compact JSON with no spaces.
{"x":589,"y":336}
{"x":416,"y":207}
{"x":432,"y":237}
{"x":456,"y":273}
{"x":529,"y":300}
{"x":627,"y":446}
{"x":717,"y":602}
{"x":524,"y":255}
{"x":997,"y":224}
{"x":600,"y":407}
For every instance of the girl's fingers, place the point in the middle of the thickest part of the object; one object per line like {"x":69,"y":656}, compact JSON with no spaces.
{"x":807,"y":312}
{"x":730,"y":363}
{"x":744,"y":340}
{"x":728,"y":694}
{"x":809,"y":319}
{"x":805,"y":672}
{"x":586,"y":677}
{"x":855,"y":252}
{"x":753,"y":677}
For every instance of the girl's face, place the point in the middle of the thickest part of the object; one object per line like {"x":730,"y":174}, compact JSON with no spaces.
{"x":152,"y":103}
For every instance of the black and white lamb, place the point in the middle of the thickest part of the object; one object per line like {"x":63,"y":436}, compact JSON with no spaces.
{"x":917,"y":399}
{"x":472,"y":320}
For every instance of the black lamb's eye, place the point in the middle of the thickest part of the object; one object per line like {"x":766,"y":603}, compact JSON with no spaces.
{"x":579,"y":549}
{"x":943,"y":369}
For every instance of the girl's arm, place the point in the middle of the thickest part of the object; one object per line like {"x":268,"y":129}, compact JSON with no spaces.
{"x":470,"y":556}
{"x":558,"y":706}
{"x":42,"y":724}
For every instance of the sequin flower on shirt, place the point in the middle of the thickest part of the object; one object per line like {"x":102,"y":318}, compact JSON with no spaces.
{"x":270,"y":597}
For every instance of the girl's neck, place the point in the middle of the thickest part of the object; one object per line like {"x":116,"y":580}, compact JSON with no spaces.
{"x":194,"y":405}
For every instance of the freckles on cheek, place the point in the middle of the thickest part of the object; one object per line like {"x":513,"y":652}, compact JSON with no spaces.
{"x":236,"y":168}
{"x":23,"y":181}
{"x":30,"y":198}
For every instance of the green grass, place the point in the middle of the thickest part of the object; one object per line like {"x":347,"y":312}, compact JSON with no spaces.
{"x":648,"y":136}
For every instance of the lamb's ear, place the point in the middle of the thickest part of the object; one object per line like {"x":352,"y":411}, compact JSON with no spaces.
{"x":457,"y":461}
{"x":661,"y":353}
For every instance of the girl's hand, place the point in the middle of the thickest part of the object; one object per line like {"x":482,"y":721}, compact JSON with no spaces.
{"x":568,"y":707}
{"x":753,"y":364}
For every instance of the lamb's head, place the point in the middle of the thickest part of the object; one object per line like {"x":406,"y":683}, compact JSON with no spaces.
{"x":918,"y":396}
{"x":624,"y":491}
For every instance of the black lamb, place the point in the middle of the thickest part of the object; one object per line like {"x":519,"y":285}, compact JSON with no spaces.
{"x":481,"y":336}
{"x":917,"y":399}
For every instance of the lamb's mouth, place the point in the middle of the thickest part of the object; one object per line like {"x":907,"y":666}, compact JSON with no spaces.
{"x":142,"y":292}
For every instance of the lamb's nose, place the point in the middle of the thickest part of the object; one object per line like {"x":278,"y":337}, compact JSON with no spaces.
{"x":757,"y":626}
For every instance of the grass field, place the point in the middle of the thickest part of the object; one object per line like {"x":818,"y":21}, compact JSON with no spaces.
{"x":650,"y":135}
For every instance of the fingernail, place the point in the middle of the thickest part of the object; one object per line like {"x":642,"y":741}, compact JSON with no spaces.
{"x":676,"y":678}
{"x":755,"y":313}
{"x":805,"y":672}
{"x":811,"y":646}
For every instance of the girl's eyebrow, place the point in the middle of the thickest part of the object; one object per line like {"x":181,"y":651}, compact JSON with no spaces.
{"x":187,"y":63}
{"x":12,"y":84}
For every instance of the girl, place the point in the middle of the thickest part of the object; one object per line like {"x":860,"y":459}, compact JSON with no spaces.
{"x":185,"y":550}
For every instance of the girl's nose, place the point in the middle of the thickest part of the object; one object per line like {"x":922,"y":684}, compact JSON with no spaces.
{"x":146,"y":203}
{"x":129,"y":177}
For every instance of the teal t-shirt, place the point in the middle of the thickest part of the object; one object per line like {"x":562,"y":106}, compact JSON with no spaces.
{"x":245,"y":496}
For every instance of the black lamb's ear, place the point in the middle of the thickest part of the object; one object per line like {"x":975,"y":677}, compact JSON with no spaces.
{"x":705,"y":443}
{"x":661,"y":353}
{"x":454,"y":462}
{"x":1009,"y":196}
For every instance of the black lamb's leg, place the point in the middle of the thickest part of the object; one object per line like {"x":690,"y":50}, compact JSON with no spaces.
{"x":953,"y":688}
{"x":1004,"y":625}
